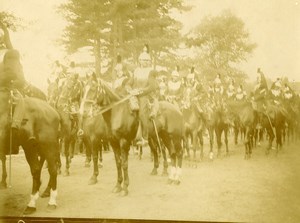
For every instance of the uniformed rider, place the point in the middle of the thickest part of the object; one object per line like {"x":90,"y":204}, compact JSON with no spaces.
{"x":145,"y":87}
{"x":174,"y":88}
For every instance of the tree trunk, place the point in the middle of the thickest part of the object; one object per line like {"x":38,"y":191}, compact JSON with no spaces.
{"x":97,"y":57}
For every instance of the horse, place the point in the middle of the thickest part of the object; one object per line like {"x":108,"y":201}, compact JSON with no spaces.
{"x":193,"y":121}
{"x":244,"y":112}
{"x":41,"y":121}
{"x":163,"y":127}
{"x":93,"y":131}
{"x":70,"y":93}
{"x":274,"y":118}
{"x":122,"y":124}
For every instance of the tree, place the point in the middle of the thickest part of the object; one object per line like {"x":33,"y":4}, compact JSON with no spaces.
{"x":11,"y":21}
{"x":222,"y":43}
{"x":122,"y":26}
{"x":88,"y":21}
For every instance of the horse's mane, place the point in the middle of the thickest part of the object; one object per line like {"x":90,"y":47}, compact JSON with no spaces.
{"x":111,"y":94}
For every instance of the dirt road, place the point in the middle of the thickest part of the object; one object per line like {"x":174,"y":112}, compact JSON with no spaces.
{"x":263,"y":189}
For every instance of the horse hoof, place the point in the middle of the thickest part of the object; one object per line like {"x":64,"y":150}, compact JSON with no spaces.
{"x":59,"y":172}
{"x":93,"y":181}
{"x":87,"y":164}
{"x":154,"y":172}
{"x":177,"y":182}
{"x":100,"y":165}
{"x":164,"y":173}
{"x":3,"y":185}
{"x":170,"y":181}
{"x":45,"y":194}
{"x":117,"y":189}
{"x":51,"y":207}
{"x":66,"y":174}
{"x":29,"y":210}
{"x":124,"y":193}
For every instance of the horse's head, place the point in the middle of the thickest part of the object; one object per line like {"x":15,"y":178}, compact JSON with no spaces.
{"x":89,"y":99}
{"x":70,"y":91}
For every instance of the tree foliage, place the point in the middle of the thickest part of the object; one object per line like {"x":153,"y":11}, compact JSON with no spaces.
{"x":11,"y":21}
{"x":222,"y":42}
{"x":122,"y":27}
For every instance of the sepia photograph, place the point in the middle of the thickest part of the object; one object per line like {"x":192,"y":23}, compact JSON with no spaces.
{"x":150,"y":110}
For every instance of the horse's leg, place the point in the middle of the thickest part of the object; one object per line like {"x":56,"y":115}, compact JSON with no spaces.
{"x":226,"y":139}
{"x":31,"y":154}
{"x":91,"y":143}
{"x":172,"y":152}
{"x":271,"y":138}
{"x":165,"y":170}
{"x":117,"y":153}
{"x":88,"y":151}
{"x":188,"y":144}
{"x":67,"y":155}
{"x":153,"y":148}
{"x":218,"y":136}
{"x":236,"y":133}
{"x":200,"y":138}
{"x":211,"y":143}
{"x":125,"y":147}
{"x":278,"y":139}
{"x":3,"y":183}
{"x":140,"y":151}
{"x":179,"y":156}
{"x":52,"y":160}
{"x":100,"y":150}
{"x":246,"y":143}
{"x":195,"y":143}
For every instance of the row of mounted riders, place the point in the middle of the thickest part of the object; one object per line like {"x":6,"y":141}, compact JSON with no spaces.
{"x":119,"y":124}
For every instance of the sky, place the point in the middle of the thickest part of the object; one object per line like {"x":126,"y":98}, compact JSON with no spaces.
{"x":274,"y":25}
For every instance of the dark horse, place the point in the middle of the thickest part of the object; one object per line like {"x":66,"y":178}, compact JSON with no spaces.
{"x":69,"y":95}
{"x":122,"y":125}
{"x":41,"y":121}
{"x":93,"y":130}
{"x":168,"y":126}
{"x":194,"y":123}
{"x":243,"y":112}
{"x":274,"y":121}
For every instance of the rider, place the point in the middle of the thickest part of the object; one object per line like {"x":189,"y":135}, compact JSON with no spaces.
{"x":12,"y":76}
{"x":218,"y":90}
{"x":58,"y":72}
{"x":240,"y":93}
{"x":145,"y":86}
{"x":276,"y":91}
{"x":174,"y":88}
{"x":120,"y":77}
{"x":288,"y":92}
{"x":162,"y":83}
{"x":260,"y":92}
{"x":230,"y":92}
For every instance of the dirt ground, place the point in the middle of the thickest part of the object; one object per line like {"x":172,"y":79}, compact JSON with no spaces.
{"x":262,"y":189}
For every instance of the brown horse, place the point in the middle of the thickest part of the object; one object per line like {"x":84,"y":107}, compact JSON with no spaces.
{"x":93,"y":131}
{"x":194,"y":128}
{"x":168,"y":126}
{"x":69,"y":95}
{"x":123,"y":124}
{"x":274,"y":121}
{"x":244,"y":112}
{"x":41,"y":121}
